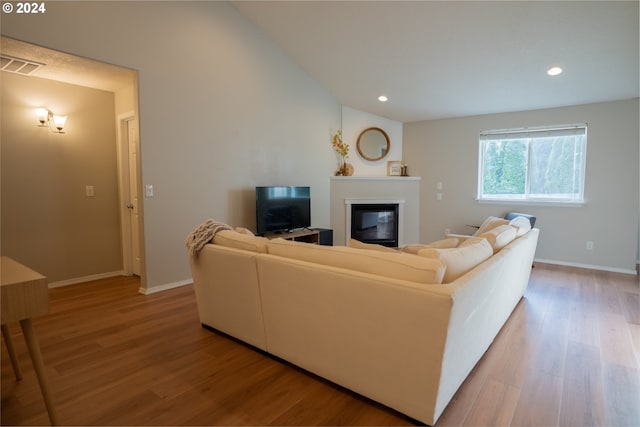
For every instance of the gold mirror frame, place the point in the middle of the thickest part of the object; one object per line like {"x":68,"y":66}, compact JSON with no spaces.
{"x":369,"y":143}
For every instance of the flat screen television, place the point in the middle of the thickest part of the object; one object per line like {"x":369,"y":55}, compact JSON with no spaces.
{"x":282,"y":208}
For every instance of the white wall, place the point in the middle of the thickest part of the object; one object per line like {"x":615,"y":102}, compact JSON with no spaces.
{"x":222,"y":110}
{"x":447,"y":151}
{"x":354,"y":122}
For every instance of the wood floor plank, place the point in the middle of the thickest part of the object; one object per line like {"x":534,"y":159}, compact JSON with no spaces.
{"x":521,"y":342}
{"x":568,"y":355}
{"x":463,"y":400}
{"x":539,"y":402}
{"x":631,"y":307}
{"x":494,"y":406}
{"x":622,"y":395}
{"x":582,"y":391}
{"x":583,"y":323}
{"x":615,"y":340}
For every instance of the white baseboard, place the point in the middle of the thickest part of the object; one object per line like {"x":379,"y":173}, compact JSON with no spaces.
{"x":165,"y":287}
{"x":77,"y":280}
{"x":588,"y":266}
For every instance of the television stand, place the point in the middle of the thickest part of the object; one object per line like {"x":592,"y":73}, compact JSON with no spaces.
{"x":318,"y":236}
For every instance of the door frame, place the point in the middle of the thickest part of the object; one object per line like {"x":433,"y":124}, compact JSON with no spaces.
{"x":124,"y":194}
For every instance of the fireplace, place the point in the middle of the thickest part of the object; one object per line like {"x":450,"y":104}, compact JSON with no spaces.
{"x":372,"y":190}
{"x":375,"y":223}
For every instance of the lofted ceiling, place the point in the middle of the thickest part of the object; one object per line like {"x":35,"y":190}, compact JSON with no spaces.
{"x":438,"y":59}
{"x":432,"y":59}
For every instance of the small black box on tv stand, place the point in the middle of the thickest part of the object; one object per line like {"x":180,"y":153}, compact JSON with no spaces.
{"x":326,"y":236}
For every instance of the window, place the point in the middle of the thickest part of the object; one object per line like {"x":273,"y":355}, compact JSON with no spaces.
{"x":533,"y":165}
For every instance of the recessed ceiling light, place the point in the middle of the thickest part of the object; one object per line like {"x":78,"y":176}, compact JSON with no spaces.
{"x":382,"y":98}
{"x":554,"y":71}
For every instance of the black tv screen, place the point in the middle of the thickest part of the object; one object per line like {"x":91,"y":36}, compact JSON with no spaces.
{"x":282,"y":208}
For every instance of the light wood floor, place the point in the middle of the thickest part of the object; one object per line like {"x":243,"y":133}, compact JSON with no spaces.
{"x":569,"y":355}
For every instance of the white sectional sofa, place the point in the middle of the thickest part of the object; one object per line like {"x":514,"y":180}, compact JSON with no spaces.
{"x":394,"y":327}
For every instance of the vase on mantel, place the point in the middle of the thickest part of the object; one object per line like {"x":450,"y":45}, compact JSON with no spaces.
{"x":345,"y":169}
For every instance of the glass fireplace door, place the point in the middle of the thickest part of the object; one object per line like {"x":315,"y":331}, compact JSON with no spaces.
{"x":375,"y":223}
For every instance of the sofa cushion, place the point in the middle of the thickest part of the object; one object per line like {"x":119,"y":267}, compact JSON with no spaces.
{"x":500,"y":236}
{"x":233,"y":239}
{"x":396,"y":265}
{"x":489,"y":223}
{"x":243,"y":230}
{"x":353,"y":243}
{"x":460,"y":260}
{"x":522,"y":225}
{"x":450,"y":242}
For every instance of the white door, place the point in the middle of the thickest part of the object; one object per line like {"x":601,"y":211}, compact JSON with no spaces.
{"x":134,"y":202}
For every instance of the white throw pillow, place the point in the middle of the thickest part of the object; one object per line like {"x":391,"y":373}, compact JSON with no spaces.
{"x":489,"y":223}
{"x":522,"y":224}
{"x":460,"y":260}
{"x":500,"y":236}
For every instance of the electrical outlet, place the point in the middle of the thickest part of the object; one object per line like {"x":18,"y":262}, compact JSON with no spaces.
{"x":88,"y":190}
{"x":447,"y":231}
{"x":589,"y":245}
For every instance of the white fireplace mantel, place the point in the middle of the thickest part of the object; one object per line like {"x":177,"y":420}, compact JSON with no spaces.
{"x":375,"y":178}
{"x":348,"y":190}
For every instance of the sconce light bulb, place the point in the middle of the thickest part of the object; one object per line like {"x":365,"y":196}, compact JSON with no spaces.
{"x":59,"y":122}
{"x":42,"y":114}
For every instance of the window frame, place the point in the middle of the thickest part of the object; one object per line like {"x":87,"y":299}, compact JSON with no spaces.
{"x":530,"y":134}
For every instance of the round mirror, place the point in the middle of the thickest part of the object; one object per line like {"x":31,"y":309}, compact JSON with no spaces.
{"x":373,"y":144}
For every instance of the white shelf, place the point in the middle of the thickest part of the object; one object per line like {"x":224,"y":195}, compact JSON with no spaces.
{"x":376,"y":178}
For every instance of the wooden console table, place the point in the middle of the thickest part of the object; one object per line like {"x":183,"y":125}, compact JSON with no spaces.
{"x":25,"y":294}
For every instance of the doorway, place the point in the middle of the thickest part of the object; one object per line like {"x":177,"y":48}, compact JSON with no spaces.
{"x":129,"y":179}
{"x":122,"y":82}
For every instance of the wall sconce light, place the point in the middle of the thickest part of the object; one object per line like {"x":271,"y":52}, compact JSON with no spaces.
{"x":48,"y":119}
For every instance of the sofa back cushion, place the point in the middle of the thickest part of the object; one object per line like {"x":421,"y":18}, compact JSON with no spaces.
{"x":234,"y":239}
{"x":353,"y":243}
{"x":460,"y":260}
{"x":396,"y":265}
{"x":500,"y":236}
{"x":450,"y":242}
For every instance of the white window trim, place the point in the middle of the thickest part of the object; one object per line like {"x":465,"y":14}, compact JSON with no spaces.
{"x":529,"y":201}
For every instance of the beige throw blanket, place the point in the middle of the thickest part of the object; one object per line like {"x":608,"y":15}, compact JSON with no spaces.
{"x":202,"y":235}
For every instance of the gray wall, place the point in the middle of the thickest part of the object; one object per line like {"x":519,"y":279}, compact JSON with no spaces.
{"x":447,"y":151}
{"x":222,"y":109}
{"x":48,"y":222}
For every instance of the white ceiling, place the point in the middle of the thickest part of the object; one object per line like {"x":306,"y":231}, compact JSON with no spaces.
{"x":67,"y":68}
{"x":433,"y":59}
{"x":437,"y":59}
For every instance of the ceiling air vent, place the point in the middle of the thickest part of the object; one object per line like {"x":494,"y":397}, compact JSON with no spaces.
{"x":18,"y":66}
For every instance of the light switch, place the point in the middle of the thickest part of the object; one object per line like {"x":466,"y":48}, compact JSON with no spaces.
{"x":439,"y":196}
{"x":88,"y":189}
{"x":148,"y":190}
{"x":439,"y":185}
